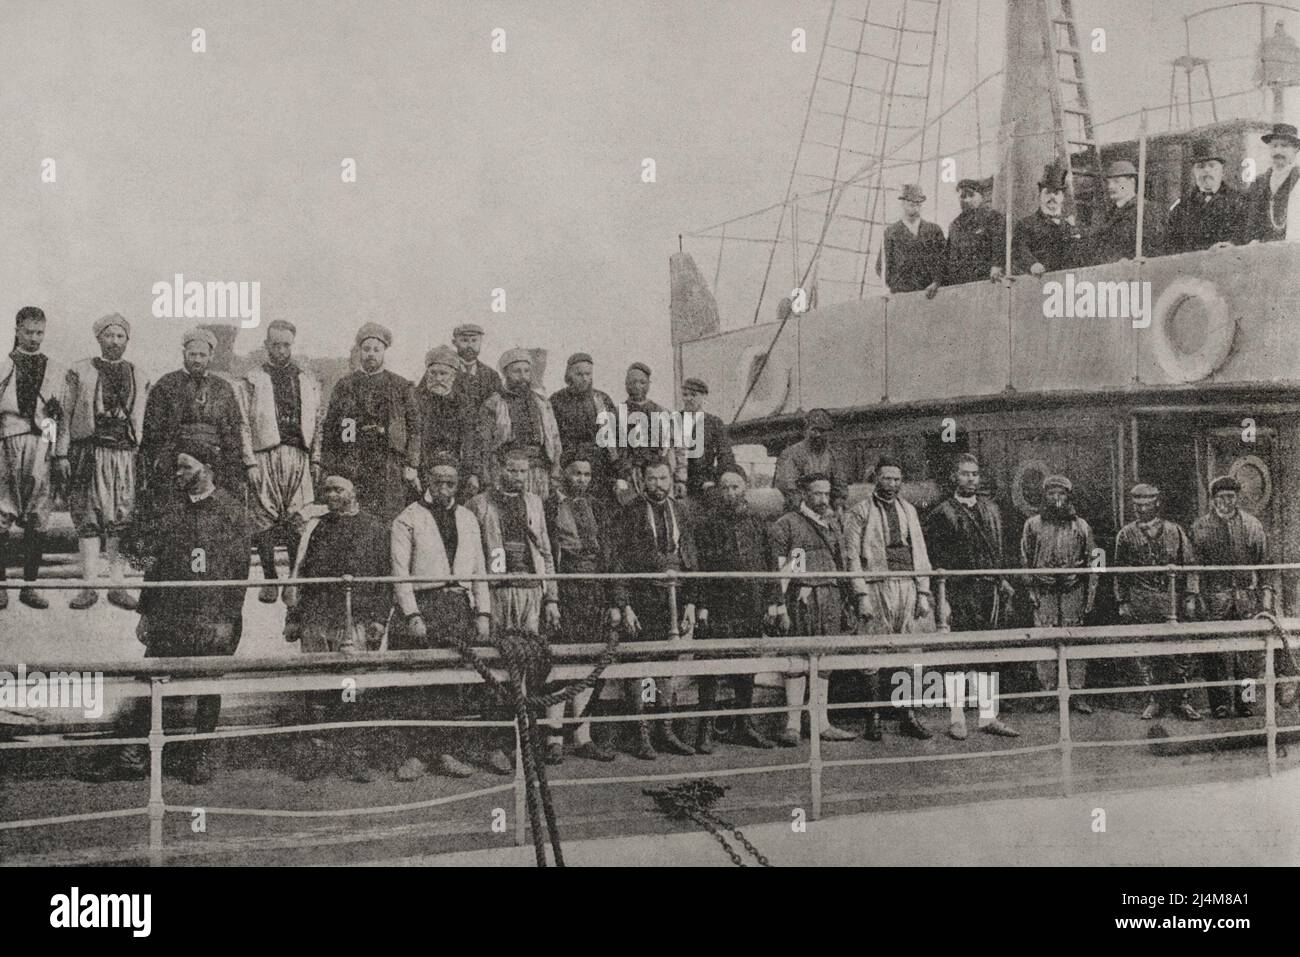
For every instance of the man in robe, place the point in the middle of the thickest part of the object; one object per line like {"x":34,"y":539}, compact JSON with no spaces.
{"x":519,"y":417}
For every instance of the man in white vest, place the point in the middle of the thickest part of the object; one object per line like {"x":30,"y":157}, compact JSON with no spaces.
{"x":33,"y":446}
{"x":105,"y":415}
{"x":282,"y":405}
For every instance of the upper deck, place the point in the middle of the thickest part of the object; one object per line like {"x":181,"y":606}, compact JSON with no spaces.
{"x":1223,"y":318}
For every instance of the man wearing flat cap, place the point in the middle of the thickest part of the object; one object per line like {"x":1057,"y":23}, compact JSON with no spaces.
{"x":1270,"y":199}
{"x":105,"y":419}
{"x":447,"y":420}
{"x":912,"y":255}
{"x":519,"y":417}
{"x":578,"y":409}
{"x":194,"y":404}
{"x":1226,"y":535}
{"x":33,"y":447}
{"x":815,"y":453}
{"x":372,"y":428}
{"x":474,"y":379}
{"x":1058,"y":537}
{"x":1144,"y":598}
{"x":282,"y":403}
{"x":1047,"y":240}
{"x":633,"y":460}
{"x":1210,"y":215}
{"x":712,"y":437}
{"x":976,"y":246}
{"x":1114,"y":235}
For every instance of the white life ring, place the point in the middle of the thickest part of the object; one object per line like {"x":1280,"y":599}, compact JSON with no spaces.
{"x":1220,"y":329}
{"x":1256,"y":482}
{"x":1018,"y":497}
{"x":770,"y":392}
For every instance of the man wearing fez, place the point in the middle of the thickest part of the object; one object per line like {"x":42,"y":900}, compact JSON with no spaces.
{"x":447,"y":420}
{"x":731,"y":538}
{"x":703,"y":471}
{"x":655,"y":534}
{"x":964,"y":531}
{"x":976,"y":246}
{"x":636,"y":458}
{"x":283,"y":407}
{"x":1058,"y":537}
{"x":1268,"y":200}
{"x":1228,"y":536}
{"x":1210,"y":215}
{"x":810,"y":540}
{"x":516,"y":541}
{"x":1114,"y":234}
{"x":1047,"y":240}
{"x":475,"y":381}
{"x":882,"y":533}
{"x":1144,"y":598}
{"x":578,"y":409}
{"x":814,"y":454}
{"x":343,"y":541}
{"x":519,"y":417}
{"x":194,"y":404}
{"x":106,"y":399}
{"x":581,"y":530}
{"x":201,"y":535}
{"x":33,"y":447}
{"x":435,"y":538}
{"x":372,"y":428}
{"x":913,"y":249}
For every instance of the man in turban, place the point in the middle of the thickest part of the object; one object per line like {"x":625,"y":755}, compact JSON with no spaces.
{"x":105,"y":419}
{"x":447,"y":420}
{"x":519,"y":417}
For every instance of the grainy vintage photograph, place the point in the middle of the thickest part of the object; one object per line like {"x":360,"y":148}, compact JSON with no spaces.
{"x":760,"y":433}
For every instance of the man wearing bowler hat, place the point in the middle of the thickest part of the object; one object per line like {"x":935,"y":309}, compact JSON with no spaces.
{"x":1210,"y":215}
{"x":1269,"y":197}
{"x":913,"y":251}
{"x":976,"y":248}
{"x":1047,"y":240}
{"x":1114,"y":235}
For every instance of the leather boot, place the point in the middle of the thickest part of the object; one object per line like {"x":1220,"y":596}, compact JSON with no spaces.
{"x":872,"y":731}
{"x":747,"y":731}
{"x":644,"y":747}
{"x":704,"y":738}
{"x":667,"y":733}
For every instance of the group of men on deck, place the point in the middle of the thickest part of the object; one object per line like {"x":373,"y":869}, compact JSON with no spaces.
{"x":916,"y":256}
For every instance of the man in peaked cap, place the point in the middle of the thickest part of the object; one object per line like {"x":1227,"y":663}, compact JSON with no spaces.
{"x":447,"y":420}
{"x":1144,"y":598}
{"x":913,"y":249}
{"x":1269,"y":199}
{"x":1226,"y":535}
{"x":372,"y":428}
{"x":1114,"y":235}
{"x":1047,"y":240}
{"x":712,"y":437}
{"x":518,"y":417}
{"x":33,"y":447}
{"x":194,"y":404}
{"x":578,"y":409}
{"x":633,"y":460}
{"x":976,"y":247}
{"x":105,"y":419}
{"x":1209,"y":215}
{"x":474,"y":379}
{"x":815,"y":453}
{"x":1058,"y":537}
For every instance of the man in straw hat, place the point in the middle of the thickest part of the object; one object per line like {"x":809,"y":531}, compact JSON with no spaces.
{"x":106,"y":400}
{"x":1269,"y":199}
{"x":1114,"y":234}
{"x":33,"y":447}
{"x":519,"y":417}
{"x":1210,"y":215}
{"x":913,"y":249}
{"x":1047,"y":240}
{"x":372,"y":428}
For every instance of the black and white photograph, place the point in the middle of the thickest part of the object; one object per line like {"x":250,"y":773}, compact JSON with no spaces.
{"x":661,"y":434}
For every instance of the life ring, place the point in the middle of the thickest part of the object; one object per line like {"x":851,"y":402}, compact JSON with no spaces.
{"x":766,"y":398}
{"x":1181,"y":362}
{"x":1018,"y":496}
{"x":1256,"y":481}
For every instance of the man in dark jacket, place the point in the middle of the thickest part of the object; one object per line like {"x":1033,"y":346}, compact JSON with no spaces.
{"x":1114,"y":235}
{"x":1047,"y":240}
{"x":976,"y":248}
{"x":447,"y":422}
{"x":1210,"y":215}
{"x":475,"y":380}
{"x":578,"y":408}
{"x":913,"y":250}
{"x":1269,"y":197}
{"x":712,"y":439}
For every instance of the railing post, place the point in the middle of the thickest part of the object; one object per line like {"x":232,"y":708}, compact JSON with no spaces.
{"x":521,"y":785}
{"x":1270,"y":703}
{"x":941,"y":604}
{"x":1172,"y":618}
{"x":1063,"y":710}
{"x":156,"y":740}
{"x":673,"y":632}
{"x":347,"y":608}
{"x":815,"y":705}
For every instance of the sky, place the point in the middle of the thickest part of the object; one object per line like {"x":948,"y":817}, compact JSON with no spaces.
{"x":475,"y":171}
